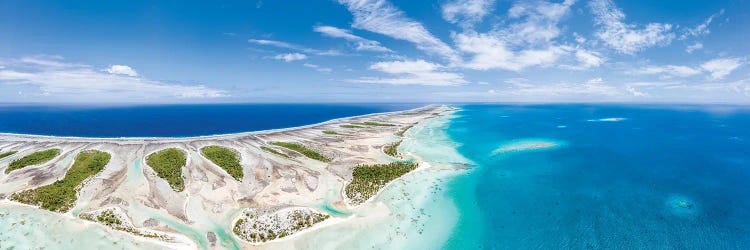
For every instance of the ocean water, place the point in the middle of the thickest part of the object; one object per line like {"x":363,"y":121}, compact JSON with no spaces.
{"x":174,"y":120}
{"x":529,"y":177}
{"x":601,"y":177}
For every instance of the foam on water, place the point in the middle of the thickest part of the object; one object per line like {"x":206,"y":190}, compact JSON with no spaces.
{"x":528,"y":144}
{"x":610,"y":119}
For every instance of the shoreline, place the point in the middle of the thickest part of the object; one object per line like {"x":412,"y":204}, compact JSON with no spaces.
{"x":214,"y":136}
{"x":206,"y":211}
{"x":381,"y":211}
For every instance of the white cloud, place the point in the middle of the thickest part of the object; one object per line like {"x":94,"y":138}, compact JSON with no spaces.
{"x":626,"y":38}
{"x":286,"y":45}
{"x":529,"y":40}
{"x":694,"y":47}
{"x":79,"y":82}
{"x":538,"y":22}
{"x":719,"y":68}
{"x":595,"y":80}
{"x":490,"y":52}
{"x":466,"y":12}
{"x":318,"y":68}
{"x":362,"y":43}
{"x":586,"y":59}
{"x":290,"y":57}
{"x":635,"y":92}
{"x":546,"y":92}
{"x":701,"y":29}
{"x":382,"y":17}
{"x":417,"y":72}
{"x":716,"y":68}
{"x":669,"y":70}
{"x":121,"y":70}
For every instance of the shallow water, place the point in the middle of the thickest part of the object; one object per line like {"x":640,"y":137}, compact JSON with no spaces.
{"x":23,"y":227}
{"x":658,"y":178}
{"x":410,"y":213}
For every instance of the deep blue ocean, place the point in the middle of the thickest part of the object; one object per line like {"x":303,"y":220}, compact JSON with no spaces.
{"x":654,"y":177}
{"x":174,"y":120}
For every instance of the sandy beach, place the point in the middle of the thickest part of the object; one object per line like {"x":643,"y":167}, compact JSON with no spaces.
{"x":202,"y":216}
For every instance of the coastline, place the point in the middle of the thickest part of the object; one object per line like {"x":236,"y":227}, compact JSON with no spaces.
{"x":394,"y":217}
{"x":211,"y":200}
{"x":214,"y":136}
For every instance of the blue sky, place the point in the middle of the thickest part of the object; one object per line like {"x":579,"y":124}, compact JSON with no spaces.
{"x":374,"y":51}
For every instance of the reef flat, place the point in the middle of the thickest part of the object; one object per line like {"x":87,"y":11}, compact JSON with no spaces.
{"x":174,"y":191}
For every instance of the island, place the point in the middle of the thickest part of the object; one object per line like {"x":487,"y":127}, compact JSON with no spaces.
{"x":223,"y":191}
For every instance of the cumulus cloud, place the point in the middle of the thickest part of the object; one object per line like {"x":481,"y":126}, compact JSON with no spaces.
{"x":585,"y":59}
{"x":417,"y":72}
{"x":537,"y":21}
{"x":290,"y":57}
{"x":466,"y":13}
{"x":491,"y":52}
{"x":382,"y":17}
{"x":362,"y":43}
{"x":626,"y":38}
{"x":529,"y":40}
{"x":121,"y":70}
{"x":80,"y":82}
{"x":720,"y":68}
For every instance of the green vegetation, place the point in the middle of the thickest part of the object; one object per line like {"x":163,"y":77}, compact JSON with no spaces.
{"x":367,"y":180}
{"x":274,"y":151}
{"x":401,"y":133}
{"x":330,"y":132}
{"x":33,"y":159}
{"x":225,"y":158}
{"x":109,"y":218}
{"x":6,"y":154}
{"x":350,"y":126}
{"x":377,"y":124}
{"x":264,"y":227}
{"x":392,"y":149}
{"x":168,"y":165}
{"x":61,"y":195}
{"x":312,"y":154}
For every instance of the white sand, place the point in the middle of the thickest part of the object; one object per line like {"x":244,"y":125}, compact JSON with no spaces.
{"x":212,"y":198}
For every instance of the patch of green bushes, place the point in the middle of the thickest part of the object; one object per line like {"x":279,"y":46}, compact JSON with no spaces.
{"x":367,"y":180}
{"x":6,"y":154}
{"x":274,"y":151}
{"x":33,"y":159}
{"x":350,"y":126}
{"x":168,"y":165}
{"x":61,"y":195}
{"x":109,"y":218}
{"x":392,"y":149}
{"x":330,"y":132}
{"x":225,"y":158}
{"x":370,"y":123}
{"x":312,"y":154}
{"x":402,"y":131}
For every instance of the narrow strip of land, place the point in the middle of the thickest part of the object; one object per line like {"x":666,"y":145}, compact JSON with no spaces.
{"x":61,"y":195}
